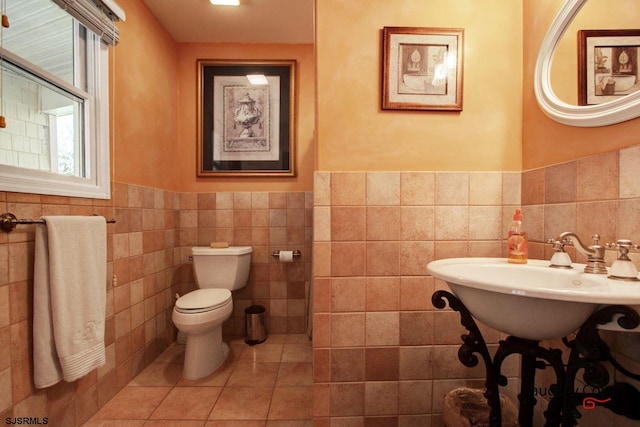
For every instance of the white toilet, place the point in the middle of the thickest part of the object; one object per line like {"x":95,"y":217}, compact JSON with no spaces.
{"x":199,"y":314}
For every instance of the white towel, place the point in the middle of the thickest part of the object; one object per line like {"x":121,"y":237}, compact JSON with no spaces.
{"x":69,"y":298}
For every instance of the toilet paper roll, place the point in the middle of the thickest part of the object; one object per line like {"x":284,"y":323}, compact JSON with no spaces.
{"x":285,"y":256}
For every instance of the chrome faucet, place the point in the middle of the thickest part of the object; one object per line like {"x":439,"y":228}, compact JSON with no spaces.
{"x":594,"y":253}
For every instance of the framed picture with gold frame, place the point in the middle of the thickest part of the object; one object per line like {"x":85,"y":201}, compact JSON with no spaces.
{"x":246,"y":118}
{"x":422,"y":68}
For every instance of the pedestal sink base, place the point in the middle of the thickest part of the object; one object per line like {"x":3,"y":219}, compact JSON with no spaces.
{"x":588,"y":352}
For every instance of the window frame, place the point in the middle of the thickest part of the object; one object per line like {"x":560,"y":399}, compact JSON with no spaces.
{"x":97,"y":180}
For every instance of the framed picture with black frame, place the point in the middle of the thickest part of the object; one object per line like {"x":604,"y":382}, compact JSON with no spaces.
{"x":246,"y":121}
{"x":607,"y":65}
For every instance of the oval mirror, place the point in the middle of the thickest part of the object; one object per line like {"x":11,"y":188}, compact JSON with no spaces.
{"x":619,"y":110}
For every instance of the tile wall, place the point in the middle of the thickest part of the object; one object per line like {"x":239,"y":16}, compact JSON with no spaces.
{"x":148,"y":251}
{"x":597,"y":194}
{"x":383,"y":356}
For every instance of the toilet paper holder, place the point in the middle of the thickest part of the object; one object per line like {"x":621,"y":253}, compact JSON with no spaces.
{"x":296,"y":254}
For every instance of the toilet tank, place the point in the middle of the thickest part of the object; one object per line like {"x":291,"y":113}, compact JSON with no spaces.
{"x":224,"y":268}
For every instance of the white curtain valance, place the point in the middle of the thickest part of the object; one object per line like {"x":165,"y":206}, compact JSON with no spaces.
{"x":97,"y":15}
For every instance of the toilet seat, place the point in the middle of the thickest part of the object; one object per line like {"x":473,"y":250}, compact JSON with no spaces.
{"x":203,"y":300}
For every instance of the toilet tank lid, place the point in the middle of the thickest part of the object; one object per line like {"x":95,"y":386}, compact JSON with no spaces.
{"x":231,"y":250}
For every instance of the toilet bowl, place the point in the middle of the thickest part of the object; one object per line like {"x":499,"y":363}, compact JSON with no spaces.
{"x":200,"y":314}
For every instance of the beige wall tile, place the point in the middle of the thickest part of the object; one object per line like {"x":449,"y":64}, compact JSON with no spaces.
{"x":4,"y":306}
{"x":321,"y":224}
{"x":348,"y":223}
{"x":321,"y":188}
{"x":348,"y":330}
{"x":347,"y":294}
{"x":415,"y":362}
{"x":382,"y":294}
{"x":511,"y":188}
{"x":597,"y":177}
{"x":559,"y":218}
{"x":347,"y":399}
{"x":415,"y":293}
{"x":348,"y":189}
{"x":451,"y":222}
{"x":452,"y":188}
{"x":415,"y":397}
{"x":485,"y":188}
{"x":347,"y":259}
{"x":595,"y":218}
{"x":382,"y":328}
{"x":560,"y":183}
{"x":383,"y":188}
{"x":382,"y":364}
{"x":414,"y":257}
{"x":629,"y":172}
{"x":417,"y":223}
{"x":417,"y":188}
{"x":383,"y":223}
{"x":533,"y":187}
{"x":485,"y":223}
{"x":382,"y":258}
{"x":381,"y":398}
{"x":628,"y":220}
{"x":347,"y":364}
{"x":224,"y":200}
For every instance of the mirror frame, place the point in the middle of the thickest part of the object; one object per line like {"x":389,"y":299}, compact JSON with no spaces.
{"x":620,"y":110}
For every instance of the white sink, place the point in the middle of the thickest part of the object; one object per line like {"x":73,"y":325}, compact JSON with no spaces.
{"x":532,"y":301}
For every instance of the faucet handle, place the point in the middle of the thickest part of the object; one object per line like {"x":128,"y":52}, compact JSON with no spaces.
{"x":558,"y":245}
{"x":623,"y":246}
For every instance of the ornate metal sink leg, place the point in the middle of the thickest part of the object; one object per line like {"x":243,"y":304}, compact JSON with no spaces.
{"x":474,"y":343}
{"x":588,"y":353}
{"x":533,"y":357}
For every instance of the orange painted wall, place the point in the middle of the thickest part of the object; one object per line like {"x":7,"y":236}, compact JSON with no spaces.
{"x":544,"y":141}
{"x":355,"y":134}
{"x":144,"y":101}
{"x":184,"y":163}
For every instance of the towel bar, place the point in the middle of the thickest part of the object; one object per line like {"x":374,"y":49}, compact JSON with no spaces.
{"x":8,"y":221}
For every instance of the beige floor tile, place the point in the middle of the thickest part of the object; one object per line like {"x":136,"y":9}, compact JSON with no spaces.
{"x":254,"y":374}
{"x":243,"y":403}
{"x":262,"y":353}
{"x":158,"y":374}
{"x":173,"y":354}
{"x":289,"y":423}
{"x":187,"y":403}
{"x":218,"y":378}
{"x":291,"y":403}
{"x":295,"y":374}
{"x":133,"y":403}
{"x":113,"y":423}
{"x":297,"y":353}
{"x":270,"y":381}
{"x":235,"y":423}
{"x":174,"y":423}
{"x":297,"y":339}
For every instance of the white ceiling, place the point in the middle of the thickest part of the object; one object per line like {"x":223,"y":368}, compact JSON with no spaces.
{"x":254,"y":21}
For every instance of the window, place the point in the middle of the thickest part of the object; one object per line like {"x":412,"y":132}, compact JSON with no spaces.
{"x":55,"y":97}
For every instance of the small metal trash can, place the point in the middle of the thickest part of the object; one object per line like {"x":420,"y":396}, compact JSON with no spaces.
{"x":254,"y":327}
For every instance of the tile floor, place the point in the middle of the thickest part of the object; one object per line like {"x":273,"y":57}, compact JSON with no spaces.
{"x":267,"y":385}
